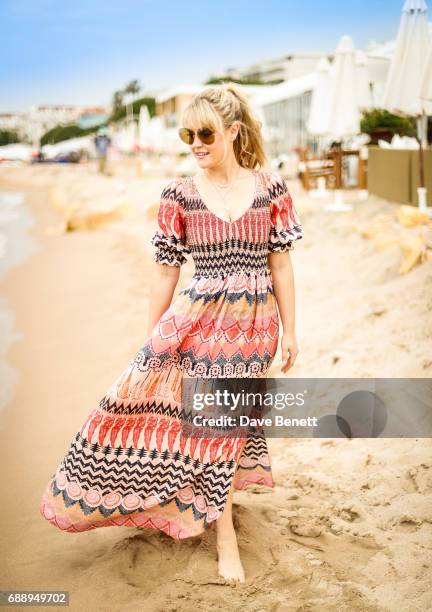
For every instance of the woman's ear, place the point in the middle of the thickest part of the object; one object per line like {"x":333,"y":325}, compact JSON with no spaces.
{"x":234,"y":130}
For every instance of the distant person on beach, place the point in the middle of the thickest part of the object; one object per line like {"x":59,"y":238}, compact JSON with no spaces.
{"x":102,"y":142}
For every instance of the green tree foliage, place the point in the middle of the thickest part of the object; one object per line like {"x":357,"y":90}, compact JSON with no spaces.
{"x":381,"y":118}
{"x":8,"y":137}
{"x":65,"y":132}
{"x":119,"y":108}
{"x":117,"y":101}
{"x":120,"y":113}
{"x":133,"y":87}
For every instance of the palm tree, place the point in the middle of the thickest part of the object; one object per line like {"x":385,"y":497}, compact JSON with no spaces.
{"x":133,"y":88}
{"x":117,"y":102}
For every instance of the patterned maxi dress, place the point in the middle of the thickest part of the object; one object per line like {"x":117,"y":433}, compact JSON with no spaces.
{"x":131,"y":463}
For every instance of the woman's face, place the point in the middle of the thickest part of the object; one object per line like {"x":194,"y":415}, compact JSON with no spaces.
{"x":217,"y":152}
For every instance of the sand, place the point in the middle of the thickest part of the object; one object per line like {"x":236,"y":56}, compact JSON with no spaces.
{"x":348,"y":525}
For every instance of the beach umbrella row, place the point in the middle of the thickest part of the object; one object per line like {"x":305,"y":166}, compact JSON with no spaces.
{"x":147,"y":134}
{"x":341,"y":92}
{"x":342,"y":89}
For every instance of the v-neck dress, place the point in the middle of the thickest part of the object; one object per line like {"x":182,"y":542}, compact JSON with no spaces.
{"x":131,"y":462}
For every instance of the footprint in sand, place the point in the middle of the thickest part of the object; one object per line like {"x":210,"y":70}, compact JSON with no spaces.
{"x":305,"y":528}
{"x":349,"y":512}
{"x":421,"y":477}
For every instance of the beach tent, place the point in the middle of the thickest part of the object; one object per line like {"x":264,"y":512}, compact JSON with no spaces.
{"x":407,"y":82}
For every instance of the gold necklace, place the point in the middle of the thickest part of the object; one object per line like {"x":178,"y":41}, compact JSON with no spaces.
{"x":226,"y":187}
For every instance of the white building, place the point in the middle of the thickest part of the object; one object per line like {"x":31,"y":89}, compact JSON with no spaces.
{"x":42,"y":118}
{"x":13,"y":122}
{"x":278,"y":69}
{"x":39,"y":119}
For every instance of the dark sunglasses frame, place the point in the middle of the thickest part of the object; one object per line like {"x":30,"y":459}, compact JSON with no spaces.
{"x":206,"y":135}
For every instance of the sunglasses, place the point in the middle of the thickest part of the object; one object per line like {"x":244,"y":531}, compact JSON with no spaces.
{"x":206,"y":135}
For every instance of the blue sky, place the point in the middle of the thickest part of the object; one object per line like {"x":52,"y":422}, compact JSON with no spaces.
{"x":81,"y":52}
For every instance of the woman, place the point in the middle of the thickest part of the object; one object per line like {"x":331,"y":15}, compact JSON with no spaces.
{"x":133,"y":462}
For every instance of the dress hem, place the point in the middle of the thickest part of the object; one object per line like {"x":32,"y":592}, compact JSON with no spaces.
{"x":170,"y":527}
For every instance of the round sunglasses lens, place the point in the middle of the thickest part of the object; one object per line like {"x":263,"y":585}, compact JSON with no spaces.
{"x":206,"y":136}
{"x":186,"y":136}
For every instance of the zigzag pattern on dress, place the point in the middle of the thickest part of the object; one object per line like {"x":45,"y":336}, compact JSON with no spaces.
{"x":194,"y":295}
{"x":133,"y":462}
{"x":125,"y":474}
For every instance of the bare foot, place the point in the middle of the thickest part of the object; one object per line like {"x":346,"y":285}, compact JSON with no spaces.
{"x":229,"y":564}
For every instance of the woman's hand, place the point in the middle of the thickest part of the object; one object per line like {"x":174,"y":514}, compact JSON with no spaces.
{"x":289,"y":351}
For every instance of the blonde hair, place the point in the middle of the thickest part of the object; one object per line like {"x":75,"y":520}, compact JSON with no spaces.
{"x":217,"y":108}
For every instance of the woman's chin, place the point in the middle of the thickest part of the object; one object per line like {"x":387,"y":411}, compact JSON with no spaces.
{"x":206,"y":163}
{"x":203,"y":162}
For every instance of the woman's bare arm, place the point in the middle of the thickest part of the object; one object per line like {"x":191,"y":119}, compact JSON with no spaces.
{"x":163,"y":282}
{"x":283,"y":284}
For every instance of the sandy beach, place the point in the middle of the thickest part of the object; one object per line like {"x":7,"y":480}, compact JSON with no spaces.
{"x":348,"y":524}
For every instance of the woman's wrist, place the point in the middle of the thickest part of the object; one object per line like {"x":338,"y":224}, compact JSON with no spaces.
{"x":288,"y":332}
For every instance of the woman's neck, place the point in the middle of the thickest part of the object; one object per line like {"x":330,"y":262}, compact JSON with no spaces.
{"x":225,"y":172}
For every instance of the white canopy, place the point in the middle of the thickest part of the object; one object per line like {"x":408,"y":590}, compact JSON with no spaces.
{"x":157,"y":136}
{"x":144,"y":127}
{"x":426,"y":79}
{"x":341,"y":91}
{"x":320,"y":102}
{"x":126,"y":137}
{"x":404,"y":83}
{"x":344,"y":114}
{"x":363,"y":91}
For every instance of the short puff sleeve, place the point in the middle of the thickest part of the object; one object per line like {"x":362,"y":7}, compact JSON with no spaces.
{"x":285,"y":221}
{"x":169,"y":240}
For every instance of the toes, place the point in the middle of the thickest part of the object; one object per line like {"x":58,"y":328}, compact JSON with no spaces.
{"x":233,"y":577}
